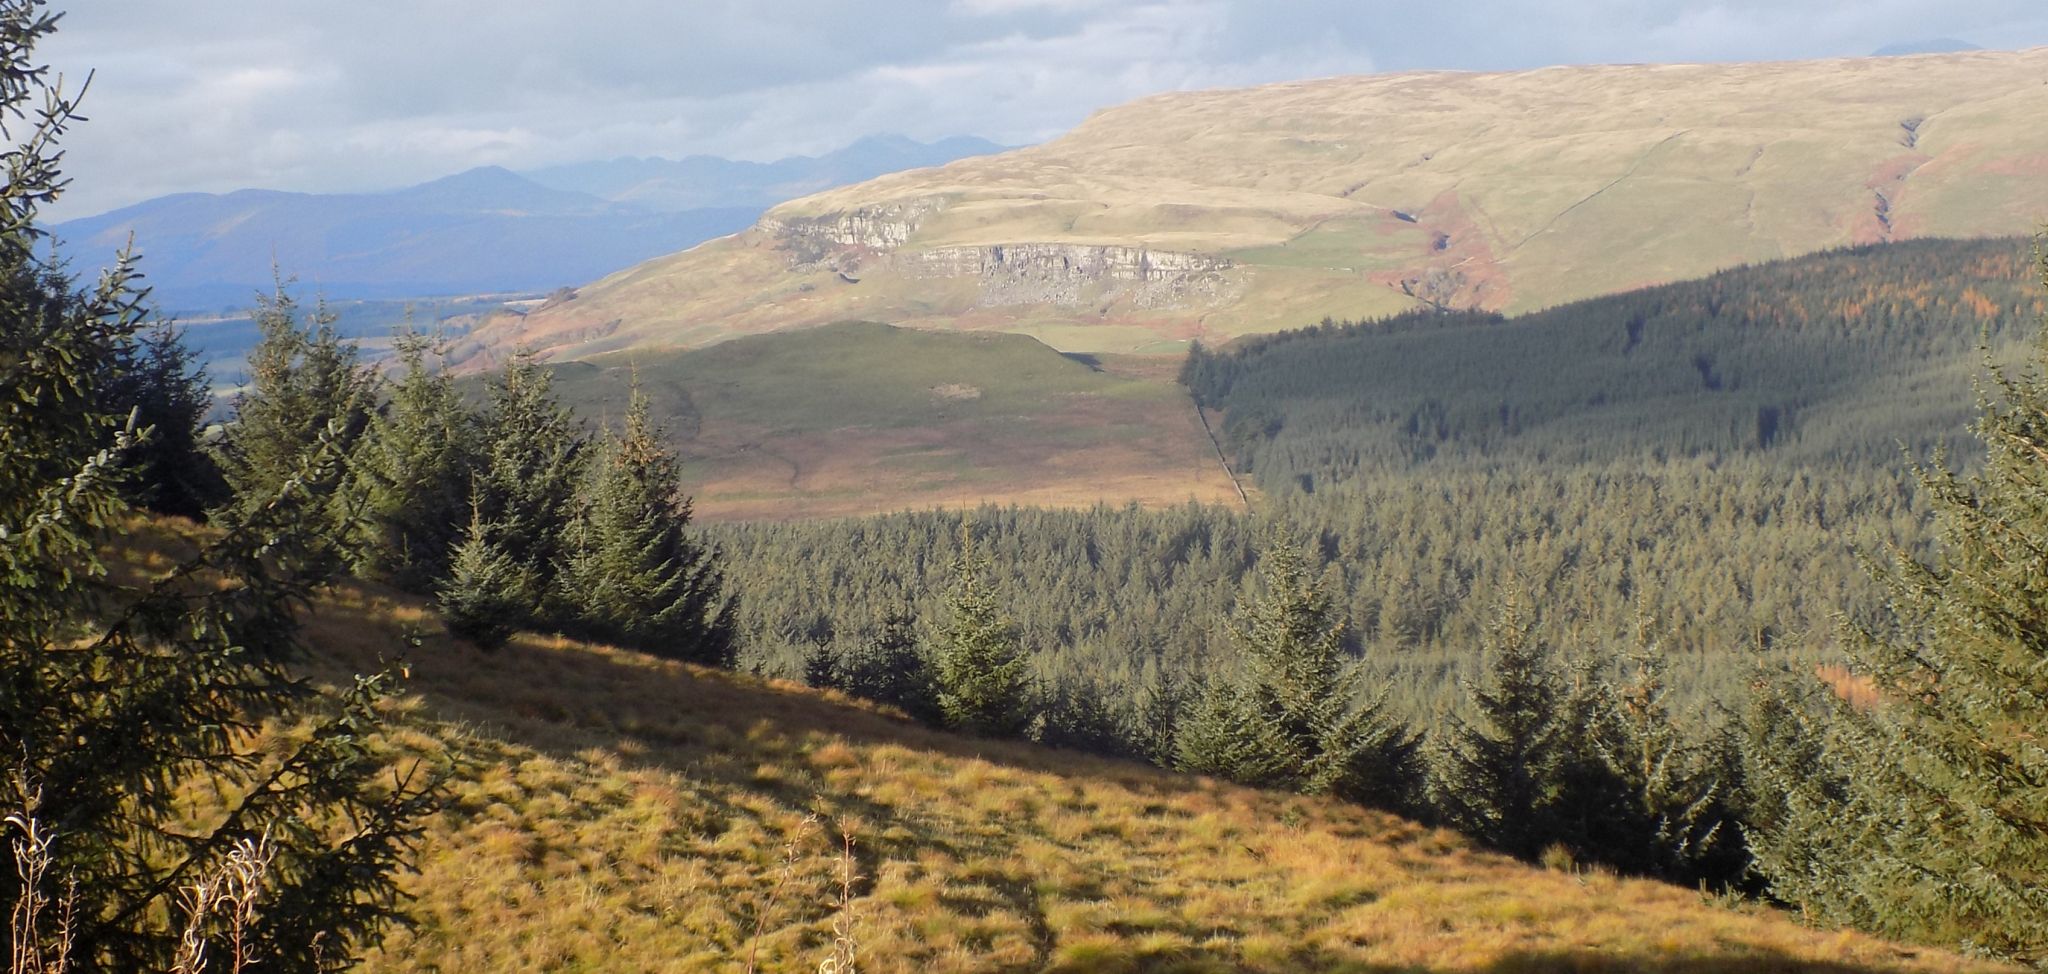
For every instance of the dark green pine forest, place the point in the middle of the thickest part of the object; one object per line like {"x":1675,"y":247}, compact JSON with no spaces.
{"x":1732,"y":583}
{"x":1633,"y":581}
{"x":1705,"y":464}
{"x":1837,"y":360}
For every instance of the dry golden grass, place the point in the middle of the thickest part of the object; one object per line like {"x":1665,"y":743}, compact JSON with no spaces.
{"x":1529,"y":188}
{"x":620,"y":813}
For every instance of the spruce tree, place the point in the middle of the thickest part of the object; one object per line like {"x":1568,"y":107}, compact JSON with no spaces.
{"x":1670,"y":813}
{"x":1946,"y":811}
{"x":1593,"y":811}
{"x":170,"y":470}
{"x":533,"y":459}
{"x":488,"y":593}
{"x":1497,"y":777}
{"x":1297,"y":715}
{"x":1791,"y":795}
{"x":887,"y":666}
{"x":824,"y":666}
{"x":123,"y":701}
{"x":1162,"y":707}
{"x":415,"y":474}
{"x":305,"y":388}
{"x":1078,"y":714}
{"x":632,"y":574}
{"x":977,"y":662}
{"x":1218,"y":734}
{"x":1194,"y":372}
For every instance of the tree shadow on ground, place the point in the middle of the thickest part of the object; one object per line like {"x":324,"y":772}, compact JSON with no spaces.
{"x":743,"y":739}
{"x":562,"y":697}
{"x":1131,"y":960}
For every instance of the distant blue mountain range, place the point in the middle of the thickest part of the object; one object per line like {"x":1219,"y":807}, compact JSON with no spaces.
{"x":487,"y":230}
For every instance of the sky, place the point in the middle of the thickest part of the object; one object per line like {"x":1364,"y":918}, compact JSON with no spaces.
{"x":334,"y":96}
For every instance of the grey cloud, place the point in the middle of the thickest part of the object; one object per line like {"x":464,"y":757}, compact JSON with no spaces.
{"x":1509,"y":34}
{"x":299,"y":94}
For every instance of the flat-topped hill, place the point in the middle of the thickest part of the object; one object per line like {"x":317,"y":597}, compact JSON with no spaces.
{"x":1220,"y":213}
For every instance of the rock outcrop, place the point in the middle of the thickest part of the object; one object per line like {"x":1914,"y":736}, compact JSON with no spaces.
{"x":875,"y":229}
{"x":853,"y":242}
{"x":1070,"y":275}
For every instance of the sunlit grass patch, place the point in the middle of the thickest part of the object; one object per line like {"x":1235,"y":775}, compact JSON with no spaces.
{"x":571,"y":845}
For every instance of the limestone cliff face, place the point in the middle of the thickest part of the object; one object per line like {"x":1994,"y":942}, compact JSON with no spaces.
{"x":1074,"y":274}
{"x":879,"y":229}
{"x":868,"y":239}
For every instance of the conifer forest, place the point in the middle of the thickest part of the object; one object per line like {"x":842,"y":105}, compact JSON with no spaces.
{"x":1712,"y":609}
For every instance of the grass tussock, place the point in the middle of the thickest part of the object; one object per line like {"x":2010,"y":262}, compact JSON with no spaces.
{"x":620,"y":813}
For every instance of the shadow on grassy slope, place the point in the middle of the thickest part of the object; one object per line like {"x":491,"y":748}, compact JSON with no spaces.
{"x":624,"y":813}
{"x":1581,"y":961}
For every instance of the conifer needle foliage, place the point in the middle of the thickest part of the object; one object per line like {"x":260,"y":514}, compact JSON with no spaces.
{"x":977,"y":662}
{"x":1929,"y":815}
{"x":119,"y":698}
{"x":415,"y":473}
{"x":632,"y":573}
{"x":1298,"y":715}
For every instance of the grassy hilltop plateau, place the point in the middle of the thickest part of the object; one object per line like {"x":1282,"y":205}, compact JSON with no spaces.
{"x":1221,"y":213}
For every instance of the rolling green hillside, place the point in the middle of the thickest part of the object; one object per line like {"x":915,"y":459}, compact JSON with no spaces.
{"x":1221,"y":213}
{"x":861,"y":417}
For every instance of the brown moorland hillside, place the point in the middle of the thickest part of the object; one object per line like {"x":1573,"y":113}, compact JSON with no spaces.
{"x":613,"y":812}
{"x":1219,"y":213}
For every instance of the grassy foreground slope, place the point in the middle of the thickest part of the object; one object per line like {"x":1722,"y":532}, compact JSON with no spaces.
{"x":857,"y":418}
{"x":1228,"y":212}
{"x":617,"y":813}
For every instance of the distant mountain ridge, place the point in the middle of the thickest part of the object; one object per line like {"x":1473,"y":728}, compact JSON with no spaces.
{"x":486,"y":230}
{"x":700,"y":181}
{"x":1213,"y":214}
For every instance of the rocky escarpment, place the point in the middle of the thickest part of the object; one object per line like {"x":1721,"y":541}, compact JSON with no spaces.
{"x":827,"y":239}
{"x":1074,"y":274}
{"x":858,"y":242}
{"x":1220,"y":213}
